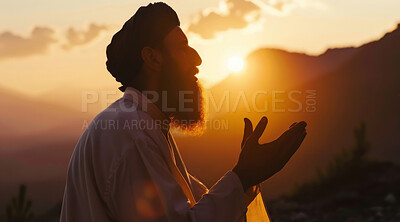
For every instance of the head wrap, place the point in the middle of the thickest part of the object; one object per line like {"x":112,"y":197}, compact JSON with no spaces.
{"x":147,"y":27}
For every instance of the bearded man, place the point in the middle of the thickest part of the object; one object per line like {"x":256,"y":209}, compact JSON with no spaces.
{"x":133,"y":171}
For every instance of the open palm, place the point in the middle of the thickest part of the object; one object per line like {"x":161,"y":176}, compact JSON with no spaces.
{"x":258,"y":162}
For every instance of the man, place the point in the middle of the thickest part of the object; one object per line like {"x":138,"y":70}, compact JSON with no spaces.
{"x":131,"y":170}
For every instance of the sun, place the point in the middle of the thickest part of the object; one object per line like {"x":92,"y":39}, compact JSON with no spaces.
{"x":235,"y":64}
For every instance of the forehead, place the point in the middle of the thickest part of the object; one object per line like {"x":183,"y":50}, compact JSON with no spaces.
{"x":175,"y":37}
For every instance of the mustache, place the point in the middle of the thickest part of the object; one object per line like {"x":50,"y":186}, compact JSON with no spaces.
{"x":196,"y":70}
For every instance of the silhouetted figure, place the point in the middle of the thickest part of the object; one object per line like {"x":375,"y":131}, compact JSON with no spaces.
{"x":126,"y":166}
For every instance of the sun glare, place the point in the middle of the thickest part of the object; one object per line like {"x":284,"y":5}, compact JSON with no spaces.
{"x":235,"y":64}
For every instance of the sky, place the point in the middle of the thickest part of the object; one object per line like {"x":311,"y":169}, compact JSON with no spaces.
{"x":52,"y":45}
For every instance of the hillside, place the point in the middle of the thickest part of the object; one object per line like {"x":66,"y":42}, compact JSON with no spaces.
{"x":362,"y":87}
{"x":36,"y":142}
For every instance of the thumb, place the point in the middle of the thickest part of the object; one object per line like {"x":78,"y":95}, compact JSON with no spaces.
{"x":248,"y":129}
{"x":258,"y":131}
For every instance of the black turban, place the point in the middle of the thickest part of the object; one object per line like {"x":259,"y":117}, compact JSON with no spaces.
{"x":147,"y":27}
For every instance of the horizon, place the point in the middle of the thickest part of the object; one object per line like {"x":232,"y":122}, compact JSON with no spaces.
{"x":36,"y":96}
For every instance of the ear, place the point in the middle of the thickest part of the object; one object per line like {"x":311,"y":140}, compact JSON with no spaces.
{"x":152,"y":58}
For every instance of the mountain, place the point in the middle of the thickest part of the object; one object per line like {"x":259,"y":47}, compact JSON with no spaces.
{"x":336,"y":90}
{"x":91,"y":100}
{"x":36,"y":142}
{"x":366,"y":88}
{"x":24,"y":119}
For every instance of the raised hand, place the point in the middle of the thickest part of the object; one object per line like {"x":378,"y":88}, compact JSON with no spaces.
{"x":258,"y":162}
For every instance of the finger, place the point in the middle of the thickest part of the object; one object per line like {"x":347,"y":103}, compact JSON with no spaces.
{"x":295,"y":146}
{"x":302,"y":124}
{"x":291,"y":141}
{"x":300,"y":141}
{"x":298,"y":130}
{"x":292,"y":125}
{"x":248,"y":129}
{"x":289,"y":138}
{"x":258,"y":131}
{"x":295,"y":129}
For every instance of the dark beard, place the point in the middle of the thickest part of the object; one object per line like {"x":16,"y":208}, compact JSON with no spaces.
{"x":184,"y":95}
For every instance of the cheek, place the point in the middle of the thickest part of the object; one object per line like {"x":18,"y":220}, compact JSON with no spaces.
{"x":181,"y":58}
{"x":181,"y":64}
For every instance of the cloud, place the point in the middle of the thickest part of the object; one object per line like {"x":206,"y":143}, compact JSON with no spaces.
{"x":41,"y":38}
{"x":39,"y":41}
{"x":76,"y":38}
{"x":240,"y":14}
{"x":232,"y":14}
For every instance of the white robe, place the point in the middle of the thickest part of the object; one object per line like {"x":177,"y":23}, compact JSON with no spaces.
{"x":125,"y":168}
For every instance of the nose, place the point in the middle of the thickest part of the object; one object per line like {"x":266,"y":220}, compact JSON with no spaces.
{"x":196,"y":57}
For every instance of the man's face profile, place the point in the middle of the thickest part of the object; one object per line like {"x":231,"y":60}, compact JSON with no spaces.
{"x":178,"y":79}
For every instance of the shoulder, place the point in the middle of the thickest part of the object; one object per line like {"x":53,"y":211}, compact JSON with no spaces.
{"x":122,"y":116}
{"x":121,"y":126}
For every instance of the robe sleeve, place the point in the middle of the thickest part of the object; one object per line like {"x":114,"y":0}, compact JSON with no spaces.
{"x":143,"y":189}
{"x":256,"y":211}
